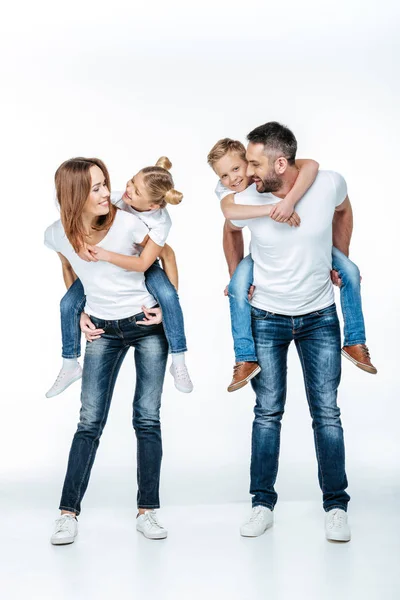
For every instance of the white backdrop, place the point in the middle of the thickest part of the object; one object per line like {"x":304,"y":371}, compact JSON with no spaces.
{"x":129,"y":84}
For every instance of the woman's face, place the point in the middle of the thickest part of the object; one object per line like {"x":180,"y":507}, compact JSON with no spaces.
{"x":136,"y":194}
{"x":98,"y":201}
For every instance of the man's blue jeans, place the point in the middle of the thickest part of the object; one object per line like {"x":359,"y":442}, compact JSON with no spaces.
{"x":350,"y":299}
{"x":103,"y":359}
{"x":317,"y":339}
{"x":159,"y":286}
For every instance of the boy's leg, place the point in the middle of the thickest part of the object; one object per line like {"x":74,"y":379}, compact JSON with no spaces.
{"x":166,"y":295}
{"x":350,"y":300}
{"x":245,"y":353}
{"x":71,"y":306}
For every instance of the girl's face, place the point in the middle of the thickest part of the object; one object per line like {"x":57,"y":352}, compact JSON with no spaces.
{"x":137,"y":195}
{"x":98,"y":201}
{"x":231,"y":169}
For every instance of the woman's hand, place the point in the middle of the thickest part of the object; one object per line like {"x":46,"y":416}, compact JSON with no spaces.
{"x":153,"y":316}
{"x":89,"y":329}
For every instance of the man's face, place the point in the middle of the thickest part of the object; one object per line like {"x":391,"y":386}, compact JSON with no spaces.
{"x":261,"y":169}
{"x":231,"y":169}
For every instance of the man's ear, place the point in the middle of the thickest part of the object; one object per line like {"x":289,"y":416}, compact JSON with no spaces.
{"x":280,"y":165}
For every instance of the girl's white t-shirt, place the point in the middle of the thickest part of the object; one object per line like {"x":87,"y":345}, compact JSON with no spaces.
{"x":111,"y":293}
{"x":157,"y":221}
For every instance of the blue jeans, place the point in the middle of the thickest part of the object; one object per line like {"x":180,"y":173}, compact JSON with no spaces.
{"x":317,"y":339}
{"x":158,"y":285}
{"x":350,"y":299}
{"x":103,"y":359}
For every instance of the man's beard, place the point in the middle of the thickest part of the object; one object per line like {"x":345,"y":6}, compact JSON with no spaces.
{"x":271,"y":183}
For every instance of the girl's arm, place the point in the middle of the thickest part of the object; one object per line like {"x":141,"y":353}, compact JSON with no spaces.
{"x":308,"y":171}
{"x":170,"y":267}
{"x":130,"y":263}
{"x":69,"y":274}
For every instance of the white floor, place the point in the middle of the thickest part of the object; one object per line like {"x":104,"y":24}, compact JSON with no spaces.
{"x":203,"y":557}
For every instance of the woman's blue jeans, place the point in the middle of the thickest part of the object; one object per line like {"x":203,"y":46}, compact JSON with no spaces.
{"x":240,"y":308}
{"x":317,"y":339}
{"x":158,"y":285}
{"x":103,"y":359}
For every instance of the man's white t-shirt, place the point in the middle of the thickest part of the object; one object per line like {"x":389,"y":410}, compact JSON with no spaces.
{"x":112,"y":293}
{"x":292,"y":264}
{"x":157,"y":221}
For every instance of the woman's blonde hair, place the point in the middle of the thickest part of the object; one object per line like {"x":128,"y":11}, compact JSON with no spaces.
{"x":224,"y":146}
{"x":159,"y":183}
{"x":73,"y":185}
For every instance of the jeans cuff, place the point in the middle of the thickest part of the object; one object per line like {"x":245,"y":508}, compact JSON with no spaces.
{"x":353,"y":343}
{"x":247,"y":358}
{"x":256,"y":503}
{"x":77,"y":512}
{"x":71,"y":355}
{"x":178,"y":351}
{"x":341,"y":507}
{"x":152,"y":506}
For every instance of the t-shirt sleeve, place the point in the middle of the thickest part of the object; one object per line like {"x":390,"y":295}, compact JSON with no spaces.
{"x":340,"y":187}
{"x":49,"y":240}
{"x":159,"y":232}
{"x":116,"y":199}
{"x":222,"y":191}
{"x":139,"y":230}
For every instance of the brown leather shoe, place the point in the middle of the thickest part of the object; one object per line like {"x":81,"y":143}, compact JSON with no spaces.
{"x":359,"y":356}
{"x":242,"y":373}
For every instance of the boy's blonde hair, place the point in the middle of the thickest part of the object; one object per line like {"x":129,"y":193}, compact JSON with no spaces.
{"x":160,"y":184}
{"x":224,"y":146}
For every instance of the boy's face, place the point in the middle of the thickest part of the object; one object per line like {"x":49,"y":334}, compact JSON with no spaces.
{"x":231,"y":169}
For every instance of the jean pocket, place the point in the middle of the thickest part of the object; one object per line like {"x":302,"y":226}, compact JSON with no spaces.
{"x":325,"y":312}
{"x":258,"y":314}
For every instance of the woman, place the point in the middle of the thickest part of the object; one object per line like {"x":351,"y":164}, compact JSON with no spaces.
{"x":115,"y":300}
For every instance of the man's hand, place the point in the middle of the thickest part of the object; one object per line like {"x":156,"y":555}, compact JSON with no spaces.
{"x":153,"y":316}
{"x":86,"y":255}
{"x":89,"y":329}
{"x":282,"y":211}
{"x":249,"y":295}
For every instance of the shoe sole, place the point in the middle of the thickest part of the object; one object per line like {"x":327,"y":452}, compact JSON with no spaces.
{"x":366,"y":368}
{"x":160,"y":536}
{"x":238,"y":386}
{"x":63,"y":542}
{"x":333,"y":538}
{"x":253,"y":536}
{"x":48,"y":395}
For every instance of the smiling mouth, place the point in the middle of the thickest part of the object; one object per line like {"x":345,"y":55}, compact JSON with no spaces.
{"x":127,"y":195}
{"x":237,"y":184}
{"x":104,"y":203}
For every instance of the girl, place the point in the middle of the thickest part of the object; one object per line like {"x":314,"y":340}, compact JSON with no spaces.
{"x":145,"y":197}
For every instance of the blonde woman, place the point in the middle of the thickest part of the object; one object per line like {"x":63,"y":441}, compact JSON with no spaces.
{"x":146,"y":197}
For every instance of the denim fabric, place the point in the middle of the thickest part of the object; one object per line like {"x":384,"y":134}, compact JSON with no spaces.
{"x":71,"y":306}
{"x":350,"y":298}
{"x":166,"y":295}
{"x":159,"y":286}
{"x":103,"y":359}
{"x":240,"y":308}
{"x":317,"y":339}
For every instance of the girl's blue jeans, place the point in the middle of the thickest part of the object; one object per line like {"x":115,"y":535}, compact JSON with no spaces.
{"x":350,"y":299}
{"x":158,"y":285}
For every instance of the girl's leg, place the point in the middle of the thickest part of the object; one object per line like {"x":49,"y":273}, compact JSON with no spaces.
{"x":71,"y":306}
{"x":350,"y":299}
{"x":167,"y":297}
{"x":240,"y":308}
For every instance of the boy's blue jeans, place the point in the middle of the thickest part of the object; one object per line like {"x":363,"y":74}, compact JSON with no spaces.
{"x":159,"y":286}
{"x":317,"y":339}
{"x":350,"y":299}
{"x":103,"y":359}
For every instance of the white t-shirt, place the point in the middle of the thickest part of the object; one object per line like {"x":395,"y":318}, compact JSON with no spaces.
{"x":112,"y":293}
{"x":222,"y":191}
{"x":157,"y":221}
{"x":292,"y":264}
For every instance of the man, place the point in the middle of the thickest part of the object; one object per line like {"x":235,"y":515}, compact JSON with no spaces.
{"x":293,"y":301}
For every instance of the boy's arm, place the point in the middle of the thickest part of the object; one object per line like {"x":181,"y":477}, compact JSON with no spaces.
{"x":167,"y":256}
{"x":241,"y":212}
{"x":130,"y":263}
{"x":342,"y":226}
{"x":308,"y":171}
{"x":233,"y":246}
{"x":69,"y":274}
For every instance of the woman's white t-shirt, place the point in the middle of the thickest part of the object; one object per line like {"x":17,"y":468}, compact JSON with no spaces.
{"x":112,"y":293}
{"x":157,"y":221}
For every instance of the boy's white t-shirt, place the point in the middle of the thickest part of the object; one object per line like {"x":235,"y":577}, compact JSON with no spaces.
{"x":292,"y":264}
{"x":222,"y":191}
{"x":111,"y":293}
{"x":157,"y":221}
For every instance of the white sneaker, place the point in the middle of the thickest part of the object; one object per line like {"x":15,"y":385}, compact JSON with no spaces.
{"x":336,"y":526}
{"x":181,"y":378}
{"x":64,"y":380}
{"x":65,"y":531}
{"x":150,"y":527}
{"x":261,"y":519}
